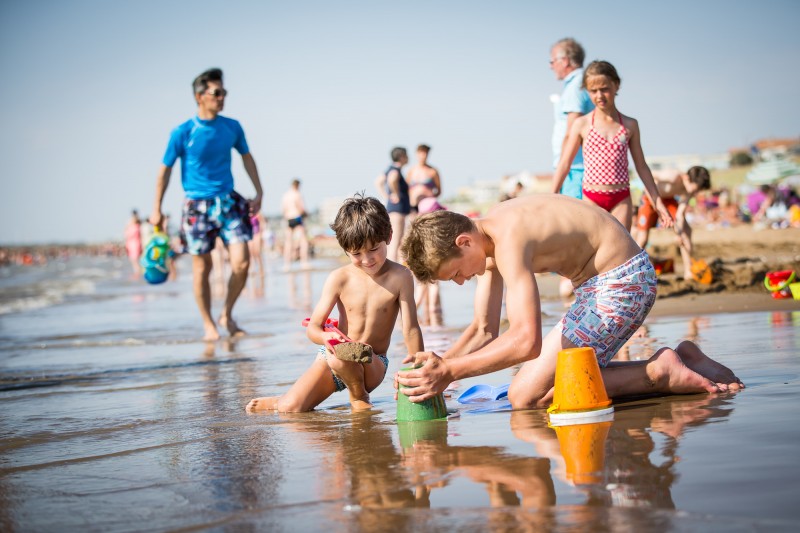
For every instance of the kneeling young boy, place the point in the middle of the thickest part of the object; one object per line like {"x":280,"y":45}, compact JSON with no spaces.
{"x":368,"y":294}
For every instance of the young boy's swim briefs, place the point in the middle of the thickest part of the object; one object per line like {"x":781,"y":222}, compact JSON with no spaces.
{"x":610,"y":307}
{"x":323,"y":354}
{"x":224,"y":216}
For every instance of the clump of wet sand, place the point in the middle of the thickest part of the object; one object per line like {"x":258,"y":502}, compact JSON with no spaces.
{"x":357,"y":352}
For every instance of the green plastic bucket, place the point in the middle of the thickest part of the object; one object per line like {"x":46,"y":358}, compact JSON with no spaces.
{"x":427,"y":431}
{"x":431,"y":409}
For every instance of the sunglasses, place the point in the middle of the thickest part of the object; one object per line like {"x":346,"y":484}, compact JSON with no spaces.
{"x":216,"y":93}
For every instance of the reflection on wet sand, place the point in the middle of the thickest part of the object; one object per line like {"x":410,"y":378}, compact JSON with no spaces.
{"x":239,"y":470}
{"x":611,"y":464}
{"x":612,"y":461}
{"x":300,"y":297}
{"x":364,"y":463}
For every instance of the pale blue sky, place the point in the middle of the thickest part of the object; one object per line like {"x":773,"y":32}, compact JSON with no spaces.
{"x":325,"y":89}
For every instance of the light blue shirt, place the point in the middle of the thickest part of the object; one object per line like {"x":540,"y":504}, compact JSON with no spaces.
{"x":204,"y":148}
{"x":573,"y":99}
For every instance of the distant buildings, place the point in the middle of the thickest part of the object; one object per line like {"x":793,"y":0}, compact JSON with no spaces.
{"x":769,"y":149}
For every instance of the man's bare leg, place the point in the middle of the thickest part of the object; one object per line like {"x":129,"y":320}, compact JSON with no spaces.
{"x":240,"y":263}
{"x":303,"y":240}
{"x":310,"y":390}
{"x":288,"y":249}
{"x":201,"y":271}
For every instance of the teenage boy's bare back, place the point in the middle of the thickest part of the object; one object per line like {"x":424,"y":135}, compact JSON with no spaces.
{"x":556,"y":234}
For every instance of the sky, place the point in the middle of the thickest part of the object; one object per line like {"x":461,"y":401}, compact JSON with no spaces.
{"x":324,"y":90}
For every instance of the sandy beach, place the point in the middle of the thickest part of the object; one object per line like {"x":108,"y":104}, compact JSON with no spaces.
{"x":740,"y":257}
{"x":117,"y":418}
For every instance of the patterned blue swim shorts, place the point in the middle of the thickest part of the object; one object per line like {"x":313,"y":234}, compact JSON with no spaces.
{"x":202,"y":221}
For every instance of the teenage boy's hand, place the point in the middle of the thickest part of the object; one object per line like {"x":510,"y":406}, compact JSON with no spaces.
{"x":430,"y":379}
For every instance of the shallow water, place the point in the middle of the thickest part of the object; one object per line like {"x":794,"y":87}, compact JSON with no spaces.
{"x":115,"y":418}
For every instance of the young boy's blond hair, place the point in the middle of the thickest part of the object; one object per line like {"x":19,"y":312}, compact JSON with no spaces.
{"x":432,"y":240}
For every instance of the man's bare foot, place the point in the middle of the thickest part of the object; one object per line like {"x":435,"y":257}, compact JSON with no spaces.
{"x":263,"y":404}
{"x":694,"y":358}
{"x":233,"y":328}
{"x":211,"y":333}
{"x":667,"y":373}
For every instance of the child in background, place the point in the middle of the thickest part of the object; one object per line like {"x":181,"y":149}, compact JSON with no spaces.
{"x":606,"y":136}
{"x":133,"y":242}
{"x":368,"y":293}
{"x":676,"y":190}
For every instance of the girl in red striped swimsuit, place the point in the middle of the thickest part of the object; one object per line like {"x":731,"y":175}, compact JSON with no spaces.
{"x":607,"y":136}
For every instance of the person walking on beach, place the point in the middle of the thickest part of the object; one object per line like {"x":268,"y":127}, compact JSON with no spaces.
{"x":398,"y":202}
{"x":294,"y":211}
{"x":566,"y":62}
{"x":676,"y":190}
{"x":212,"y":208}
{"x":606,"y":136}
{"x":133,"y":241}
{"x":369,"y":293}
{"x":615,"y":287}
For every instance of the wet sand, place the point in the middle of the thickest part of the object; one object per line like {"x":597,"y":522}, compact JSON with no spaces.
{"x":116,"y":418}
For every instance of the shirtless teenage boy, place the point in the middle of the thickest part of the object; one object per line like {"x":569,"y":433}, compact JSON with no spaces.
{"x":672,"y":184}
{"x":368,"y":294}
{"x":614,"y":289}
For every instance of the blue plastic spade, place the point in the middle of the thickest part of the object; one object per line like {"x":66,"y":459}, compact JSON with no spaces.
{"x":483,"y":393}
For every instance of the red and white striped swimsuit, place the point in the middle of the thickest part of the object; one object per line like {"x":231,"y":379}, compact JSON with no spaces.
{"x":606,"y":162}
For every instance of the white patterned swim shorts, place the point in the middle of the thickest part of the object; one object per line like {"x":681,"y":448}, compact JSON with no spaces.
{"x":611,"y":306}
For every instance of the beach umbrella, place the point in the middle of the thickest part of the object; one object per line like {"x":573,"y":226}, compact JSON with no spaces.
{"x":772,"y":171}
